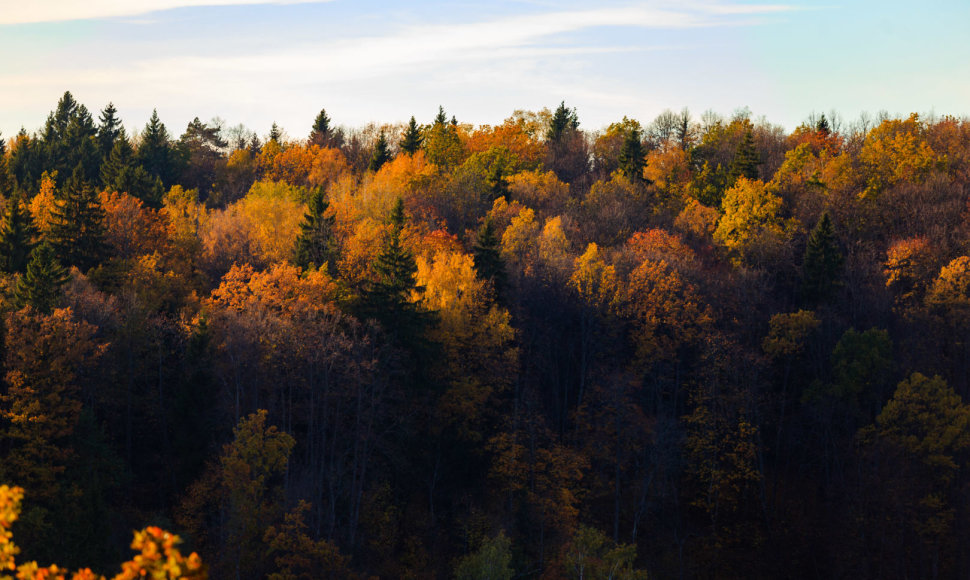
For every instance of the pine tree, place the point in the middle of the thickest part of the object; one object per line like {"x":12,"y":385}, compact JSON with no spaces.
{"x":316,"y":245}
{"x":320,"y":133}
{"x":255,"y":147}
{"x":746,"y":160}
{"x":412,"y":139}
{"x":155,"y":153}
{"x":109,"y":129}
{"x":77,"y":225}
{"x":275,"y":134}
{"x":822,"y":125}
{"x":120,"y":156}
{"x":6,"y":176}
{"x":16,"y":237}
{"x":381,"y":153}
{"x":41,"y":285}
{"x":631,"y":159}
{"x":489,"y":264}
{"x":119,"y":172}
{"x":441,"y":118}
{"x":563,"y":120}
{"x":822,"y":264}
{"x":387,"y":298}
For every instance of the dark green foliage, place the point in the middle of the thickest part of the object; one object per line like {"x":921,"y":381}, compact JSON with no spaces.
{"x":255,"y":147}
{"x":563,"y":120}
{"x":387,"y":298}
{"x":17,"y":235}
{"x":109,"y":129}
{"x":26,"y":163}
{"x":632,"y":155}
{"x":746,"y":160}
{"x":412,"y":139}
{"x":822,"y":125}
{"x":119,"y":172}
{"x":822,"y":264}
{"x":320,"y":133}
{"x":316,"y":246}
{"x":201,"y":147}
{"x":441,"y":118}
{"x":40,"y":287}
{"x":381,"y":153}
{"x":489,"y":264}
{"x":274,"y":132}
{"x":156,"y":153}
{"x":77,"y":224}
{"x":69,"y":139}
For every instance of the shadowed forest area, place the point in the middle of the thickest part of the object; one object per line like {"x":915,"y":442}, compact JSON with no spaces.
{"x":698,"y":347}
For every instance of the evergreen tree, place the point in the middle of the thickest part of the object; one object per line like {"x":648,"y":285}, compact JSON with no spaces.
{"x":155,"y":153}
{"x":317,"y":244}
{"x":109,"y":129}
{"x":16,"y":237}
{"x":381,"y":153}
{"x":77,"y":224}
{"x":26,"y":161}
{"x":274,"y":132}
{"x":81,"y":145}
{"x":387,"y":298}
{"x":412,"y":139}
{"x":631,"y":159}
{"x":119,"y":172}
{"x":41,"y":285}
{"x":255,"y":147}
{"x":489,"y":264}
{"x":822,"y":125}
{"x":441,"y":118}
{"x":320,"y":133}
{"x":746,"y":160}
{"x":563,"y":120}
{"x":822,"y":264}
{"x":6,"y":177}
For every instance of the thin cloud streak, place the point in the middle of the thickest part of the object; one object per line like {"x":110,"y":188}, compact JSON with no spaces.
{"x":38,"y":11}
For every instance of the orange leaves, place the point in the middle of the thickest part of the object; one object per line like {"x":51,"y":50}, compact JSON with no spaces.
{"x":159,"y":559}
{"x":896,"y":151}
{"x":513,"y":135}
{"x":132,"y":229}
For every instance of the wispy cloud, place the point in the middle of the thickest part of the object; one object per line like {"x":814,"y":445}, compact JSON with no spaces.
{"x":35,"y":11}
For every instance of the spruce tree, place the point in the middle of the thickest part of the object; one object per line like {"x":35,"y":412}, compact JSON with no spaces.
{"x":120,"y":156}
{"x":275,"y":134}
{"x":487,"y":253}
{"x":77,"y":224}
{"x":746,"y":160}
{"x":317,"y":244}
{"x":109,"y":129}
{"x":631,"y":159}
{"x":441,"y":118}
{"x":16,"y":237}
{"x":41,"y":285}
{"x":387,"y":298}
{"x":563,"y":120}
{"x":381,"y":153}
{"x":155,"y":152}
{"x":822,"y":264}
{"x":320,"y":133}
{"x":822,"y":125}
{"x":412,"y":139}
{"x":119,"y":172}
{"x":6,"y":176}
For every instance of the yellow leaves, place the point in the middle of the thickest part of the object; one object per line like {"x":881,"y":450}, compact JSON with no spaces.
{"x":952,"y":287}
{"x":539,"y":190}
{"x":43,"y":204}
{"x":787,"y":333}
{"x":554,"y":247}
{"x":594,"y":280}
{"x":668,"y":168}
{"x":750,"y":228}
{"x":159,"y":556}
{"x":518,"y":240}
{"x":896,"y":151}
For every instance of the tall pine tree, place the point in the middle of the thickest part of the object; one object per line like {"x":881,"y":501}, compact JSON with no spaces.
{"x":822,"y":265}
{"x":746,"y":160}
{"x":412,"y":139}
{"x":381,"y":153}
{"x":156,"y":153}
{"x":109,"y":129}
{"x":321,"y":133}
{"x":40,"y":287}
{"x":17,"y":235}
{"x":489,"y":264}
{"x":631,"y":159}
{"x":317,"y":244}
{"x":78,"y":224}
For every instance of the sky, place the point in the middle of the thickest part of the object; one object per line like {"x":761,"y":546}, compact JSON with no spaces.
{"x":258,"y":62}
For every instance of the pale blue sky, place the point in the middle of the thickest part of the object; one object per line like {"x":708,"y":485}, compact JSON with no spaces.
{"x":367,"y":60}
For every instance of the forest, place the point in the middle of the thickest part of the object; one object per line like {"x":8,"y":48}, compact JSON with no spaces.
{"x":694,"y":347}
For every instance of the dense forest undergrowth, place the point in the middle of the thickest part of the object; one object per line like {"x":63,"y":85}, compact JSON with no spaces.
{"x":695,"y":348}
